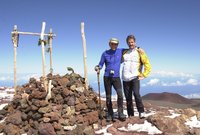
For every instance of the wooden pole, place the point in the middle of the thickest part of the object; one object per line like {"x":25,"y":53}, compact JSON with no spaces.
{"x":15,"y":68}
{"x":84,"y":55}
{"x":34,"y":34}
{"x":15,"y":38}
{"x":50,"y":38}
{"x":43,"y":55}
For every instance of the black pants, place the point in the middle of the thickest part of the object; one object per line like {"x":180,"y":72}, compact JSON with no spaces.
{"x":116,"y":83}
{"x":132,"y":88}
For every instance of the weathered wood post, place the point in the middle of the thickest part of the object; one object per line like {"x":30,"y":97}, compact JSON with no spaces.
{"x":43,"y":55}
{"x":84,"y":55}
{"x":15,"y":40}
{"x":50,"y":38}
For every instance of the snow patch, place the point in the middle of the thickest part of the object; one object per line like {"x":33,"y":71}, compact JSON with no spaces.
{"x":146,"y":127}
{"x":193,"y":122}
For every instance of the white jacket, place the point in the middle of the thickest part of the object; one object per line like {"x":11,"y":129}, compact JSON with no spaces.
{"x":132,"y":65}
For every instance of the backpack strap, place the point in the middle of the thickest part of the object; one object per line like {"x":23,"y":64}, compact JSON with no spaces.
{"x":141,"y":63}
{"x":123,"y":52}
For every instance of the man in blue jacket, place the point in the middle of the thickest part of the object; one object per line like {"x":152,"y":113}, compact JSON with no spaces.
{"x":112,"y":60}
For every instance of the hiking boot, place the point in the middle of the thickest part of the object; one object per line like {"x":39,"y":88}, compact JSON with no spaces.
{"x":121,"y":116}
{"x":109,"y":118}
{"x":141,"y":115}
{"x":130,"y":116}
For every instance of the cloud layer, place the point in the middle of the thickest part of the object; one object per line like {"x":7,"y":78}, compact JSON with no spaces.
{"x":164,"y":78}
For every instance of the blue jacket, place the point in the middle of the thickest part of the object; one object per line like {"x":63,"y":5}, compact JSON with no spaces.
{"x":112,"y":60}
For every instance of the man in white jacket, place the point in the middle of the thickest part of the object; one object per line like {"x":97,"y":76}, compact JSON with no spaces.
{"x":133,"y":60}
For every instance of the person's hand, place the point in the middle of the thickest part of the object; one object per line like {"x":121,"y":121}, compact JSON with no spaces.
{"x":140,"y":50}
{"x":97,"y":69}
{"x":141,"y":77}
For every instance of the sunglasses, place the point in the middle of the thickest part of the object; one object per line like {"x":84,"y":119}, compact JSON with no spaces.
{"x":114,"y":44}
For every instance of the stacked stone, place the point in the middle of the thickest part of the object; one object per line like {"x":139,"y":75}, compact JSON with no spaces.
{"x":70,"y":110}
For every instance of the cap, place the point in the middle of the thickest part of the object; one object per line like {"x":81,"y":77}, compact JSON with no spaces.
{"x":114,"y":40}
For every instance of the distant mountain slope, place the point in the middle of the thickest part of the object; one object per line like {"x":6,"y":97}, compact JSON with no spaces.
{"x":169,"y":97}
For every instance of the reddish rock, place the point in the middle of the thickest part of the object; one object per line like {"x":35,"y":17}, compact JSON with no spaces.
{"x":43,"y":103}
{"x":57,"y":126}
{"x":91,"y":104}
{"x":80,"y":107}
{"x":66,"y":92}
{"x":112,"y":130}
{"x":63,"y":81}
{"x":46,"y":129}
{"x":14,"y":118}
{"x":91,"y":117}
{"x":11,"y":129}
{"x":168,"y":125}
{"x":38,"y":94}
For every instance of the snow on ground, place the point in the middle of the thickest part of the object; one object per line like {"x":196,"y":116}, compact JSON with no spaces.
{"x":104,"y":130}
{"x":146,"y":127}
{"x":2,"y":105}
{"x":6,"y":93}
{"x":193,"y":122}
{"x":173,"y":114}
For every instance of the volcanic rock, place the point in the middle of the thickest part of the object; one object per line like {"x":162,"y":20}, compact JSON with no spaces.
{"x":70,"y":105}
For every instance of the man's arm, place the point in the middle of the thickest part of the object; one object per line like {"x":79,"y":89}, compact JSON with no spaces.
{"x":100,"y":65}
{"x":147,"y":66}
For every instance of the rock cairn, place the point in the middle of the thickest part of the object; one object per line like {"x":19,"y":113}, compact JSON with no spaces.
{"x":70,"y":110}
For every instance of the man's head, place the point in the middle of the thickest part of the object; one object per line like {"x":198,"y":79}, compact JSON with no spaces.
{"x":113,"y":43}
{"x":131,"y":41}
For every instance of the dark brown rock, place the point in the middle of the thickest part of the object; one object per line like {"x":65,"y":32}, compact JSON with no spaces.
{"x":38,"y":94}
{"x":44,"y":109}
{"x":71,"y":101}
{"x":167,"y":125}
{"x":91,"y":104}
{"x":63,"y":81}
{"x":91,"y":117}
{"x":46,"y":129}
{"x":57,"y":126}
{"x":37,"y":116}
{"x":11,"y":129}
{"x":32,"y":131}
{"x":44,"y":103}
{"x":88,"y":131}
{"x":14,"y":118}
{"x":80,"y":107}
{"x":3,"y":112}
{"x":2,"y":126}
{"x":66,"y":92}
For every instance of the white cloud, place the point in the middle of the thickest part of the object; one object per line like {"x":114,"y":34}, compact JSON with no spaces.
{"x":177,"y":83}
{"x":193,"y":95}
{"x":192,"y":82}
{"x":153,"y":81}
{"x":5,"y":78}
{"x":20,"y":77}
{"x":166,"y":82}
{"x":171,"y":74}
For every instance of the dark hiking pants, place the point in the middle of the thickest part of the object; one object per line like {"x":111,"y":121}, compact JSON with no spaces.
{"x":133,"y":88}
{"x":116,"y":83}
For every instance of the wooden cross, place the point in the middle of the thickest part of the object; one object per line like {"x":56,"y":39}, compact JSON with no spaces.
{"x":15,"y":40}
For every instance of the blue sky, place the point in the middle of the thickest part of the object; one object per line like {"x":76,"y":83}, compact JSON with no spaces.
{"x":168,"y":30}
